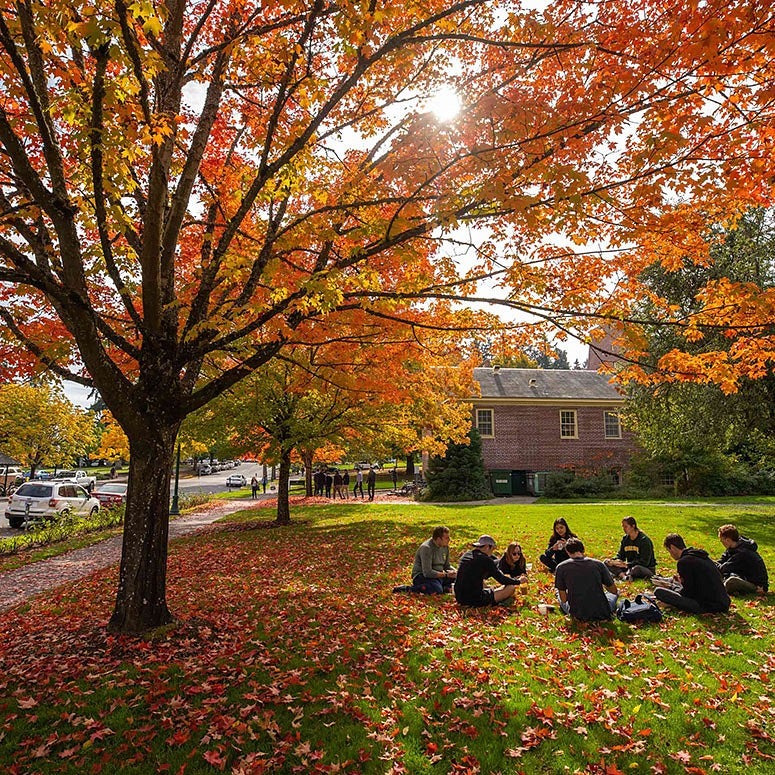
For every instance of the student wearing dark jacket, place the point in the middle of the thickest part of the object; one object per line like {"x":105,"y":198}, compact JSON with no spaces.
{"x":477,"y":565}
{"x":741,"y":565}
{"x":702,"y":588}
{"x":635,"y":559}
{"x":555,"y":551}
{"x":512,"y":562}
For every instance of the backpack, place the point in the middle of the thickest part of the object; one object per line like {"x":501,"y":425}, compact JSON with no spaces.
{"x":639,"y":610}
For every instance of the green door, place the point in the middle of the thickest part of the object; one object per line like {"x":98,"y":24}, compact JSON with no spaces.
{"x":501,"y":482}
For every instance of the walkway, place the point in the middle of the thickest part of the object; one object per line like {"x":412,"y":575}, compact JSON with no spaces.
{"x":18,"y":585}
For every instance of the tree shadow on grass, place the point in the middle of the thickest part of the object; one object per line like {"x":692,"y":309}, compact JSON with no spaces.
{"x":755,"y":525}
{"x":719,"y":624}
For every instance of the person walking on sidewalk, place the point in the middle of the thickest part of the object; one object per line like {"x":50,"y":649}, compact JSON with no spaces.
{"x":358,"y":486}
{"x":371,"y":483}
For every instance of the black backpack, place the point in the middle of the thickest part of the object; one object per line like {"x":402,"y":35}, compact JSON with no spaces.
{"x":639,"y":610}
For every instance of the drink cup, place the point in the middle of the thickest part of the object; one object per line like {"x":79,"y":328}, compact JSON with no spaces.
{"x":542,"y":609}
{"x":529,"y":566}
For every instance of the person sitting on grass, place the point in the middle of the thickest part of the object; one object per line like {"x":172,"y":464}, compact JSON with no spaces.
{"x":635,"y":559}
{"x":741,"y":565}
{"x":512,"y":562}
{"x":477,"y":565}
{"x":585,"y":588}
{"x":432,"y":573}
{"x":702,"y":588}
{"x":555,"y":551}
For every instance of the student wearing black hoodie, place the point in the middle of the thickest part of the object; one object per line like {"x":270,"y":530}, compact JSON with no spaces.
{"x":702,"y":588}
{"x":741,"y":564}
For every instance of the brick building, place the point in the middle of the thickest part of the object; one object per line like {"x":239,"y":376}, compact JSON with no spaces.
{"x":534,"y":421}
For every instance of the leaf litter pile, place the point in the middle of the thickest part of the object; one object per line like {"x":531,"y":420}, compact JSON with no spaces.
{"x":292,"y":655}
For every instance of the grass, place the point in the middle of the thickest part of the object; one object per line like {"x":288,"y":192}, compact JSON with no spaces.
{"x":292,"y":655}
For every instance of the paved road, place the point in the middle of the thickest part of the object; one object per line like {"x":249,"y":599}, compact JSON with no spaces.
{"x":188,"y":485}
{"x":18,"y":585}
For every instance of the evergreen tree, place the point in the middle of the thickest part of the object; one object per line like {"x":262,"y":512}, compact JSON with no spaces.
{"x":459,"y":475}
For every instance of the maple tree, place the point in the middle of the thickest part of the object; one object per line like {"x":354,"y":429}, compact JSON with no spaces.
{"x":38,"y":425}
{"x":187,"y":188}
{"x":315,"y":403}
{"x":114,"y":444}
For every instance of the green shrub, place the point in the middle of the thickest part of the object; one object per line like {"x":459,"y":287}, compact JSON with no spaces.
{"x":459,"y":475}
{"x":61,"y":530}
{"x":567,"y":484}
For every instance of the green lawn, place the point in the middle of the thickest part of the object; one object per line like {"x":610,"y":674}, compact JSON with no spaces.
{"x":292,"y":655}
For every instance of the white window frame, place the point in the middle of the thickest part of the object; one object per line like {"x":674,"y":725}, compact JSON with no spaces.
{"x":564,"y":423}
{"x":606,"y":414}
{"x":491,"y":413}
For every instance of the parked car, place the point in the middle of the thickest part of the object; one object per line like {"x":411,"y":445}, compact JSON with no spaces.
{"x":111,"y":494}
{"x":10,"y":478}
{"x":205,"y":469}
{"x":38,"y":501}
{"x":236,"y":480}
{"x":76,"y":477}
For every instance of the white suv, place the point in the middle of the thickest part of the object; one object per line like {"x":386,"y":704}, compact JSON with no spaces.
{"x":37,"y":501}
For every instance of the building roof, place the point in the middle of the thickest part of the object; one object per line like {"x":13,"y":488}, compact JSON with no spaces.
{"x":546,"y":384}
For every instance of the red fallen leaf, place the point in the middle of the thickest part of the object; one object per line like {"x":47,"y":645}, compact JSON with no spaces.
{"x":644,"y":732}
{"x":431,"y":748}
{"x":100,"y":734}
{"x":180,"y":737}
{"x":28,"y":703}
{"x":68,"y":752}
{"x":215,"y":759}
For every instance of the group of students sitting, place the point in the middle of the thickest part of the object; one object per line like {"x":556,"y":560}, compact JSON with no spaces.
{"x":586,"y":587}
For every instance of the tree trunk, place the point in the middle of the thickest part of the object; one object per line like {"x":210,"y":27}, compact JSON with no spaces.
{"x":307,"y":458}
{"x":283,"y":504}
{"x":141,"y":600}
{"x":410,"y":466}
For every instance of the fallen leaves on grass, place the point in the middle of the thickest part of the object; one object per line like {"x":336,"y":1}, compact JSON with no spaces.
{"x":292,"y":656}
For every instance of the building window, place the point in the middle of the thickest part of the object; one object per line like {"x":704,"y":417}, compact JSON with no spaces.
{"x":613,"y":428}
{"x":484,"y":422}
{"x":568,"y":427}
{"x":666,"y":479}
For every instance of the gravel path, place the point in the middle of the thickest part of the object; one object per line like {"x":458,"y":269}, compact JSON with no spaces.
{"x":25,"y":582}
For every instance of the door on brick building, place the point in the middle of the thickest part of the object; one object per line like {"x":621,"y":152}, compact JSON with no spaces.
{"x":519,"y":483}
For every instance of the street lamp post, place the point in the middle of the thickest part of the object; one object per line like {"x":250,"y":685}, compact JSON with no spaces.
{"x":174,"y":508}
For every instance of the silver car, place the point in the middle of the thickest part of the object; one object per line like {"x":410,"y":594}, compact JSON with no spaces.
{"x":38,"y":501}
